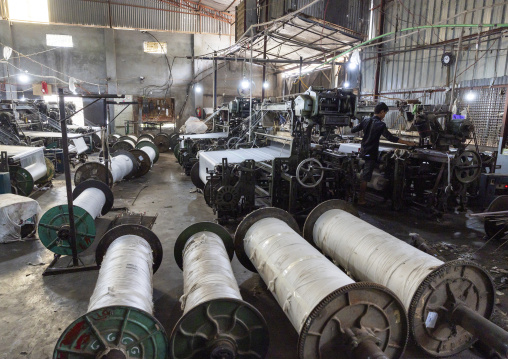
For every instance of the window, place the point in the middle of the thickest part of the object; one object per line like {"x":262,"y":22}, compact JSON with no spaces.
{"x":153,"y":47}
{"x":59,"y":40}
{"x":28,"y":10}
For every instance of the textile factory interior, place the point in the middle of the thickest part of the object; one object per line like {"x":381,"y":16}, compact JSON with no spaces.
{"x":280,"y":179}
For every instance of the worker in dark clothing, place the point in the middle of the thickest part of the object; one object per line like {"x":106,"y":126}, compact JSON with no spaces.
{"x":373,"y":128}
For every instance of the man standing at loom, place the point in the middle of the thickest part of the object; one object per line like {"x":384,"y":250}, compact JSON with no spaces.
{"x":373,"y":128}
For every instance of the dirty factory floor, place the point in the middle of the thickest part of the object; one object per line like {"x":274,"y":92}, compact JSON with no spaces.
{"x":34,"y":310}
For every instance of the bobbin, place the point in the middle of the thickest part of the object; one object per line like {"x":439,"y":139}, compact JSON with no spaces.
{"x":161,"y":140}
{"x":148,"y":143}
{"x":206,"y":330}
{"x":143,"y":136}
{"x":54,"y":229}
{"x":116,"y":331}
{"x":125,"y":143}
{"x":99,"y":171}
{"x":360,"y":319}
{"x":434,"y":304}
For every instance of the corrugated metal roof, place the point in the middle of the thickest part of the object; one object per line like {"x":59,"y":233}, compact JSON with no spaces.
{"x":134,"y":14}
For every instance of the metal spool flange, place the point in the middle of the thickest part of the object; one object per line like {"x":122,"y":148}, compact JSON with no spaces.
{"x":221,"y":328}
{"x":135,"y":162}
{"x":97,"y":143}
{"x":91,"y":183}
{"x":252,"y":218}
{"x":161,"y":140}
{"x":135,"y":230}
{"x":468,"y":282}
{"x":22,"y":180}
{"x":173,"y":140}
{"x":128,"y":137}
{"x":369,"y":307}
{"x":54,"y":229}
{"x":194,"y":174}
{"x":176,"y":150}
{"x":122,"y":145}
{"x":148,"y":136}
{"x":143,"y":160}
{"x":182,"y":239}
{"x":144,"y":143}
{"x":93,"y":170}
{"x":497,"y":228}
{"x":113,"y":332}
{"x":321,"y":209}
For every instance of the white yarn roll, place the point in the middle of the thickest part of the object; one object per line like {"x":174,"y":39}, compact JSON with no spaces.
{"x":125,"y":277}
{"x":371,"y":254}
{"x":121,"y":166}
{"x":132,"y":142}
{"x":133,"y":137}
{"x":91,"y":200}
{"x":297,"y":274}
{"x":207,"y":272}
{"x":150,"y":152}
{"x":37,"y":170}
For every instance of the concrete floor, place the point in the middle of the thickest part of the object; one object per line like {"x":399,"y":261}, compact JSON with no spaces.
{"x":34,"y":310}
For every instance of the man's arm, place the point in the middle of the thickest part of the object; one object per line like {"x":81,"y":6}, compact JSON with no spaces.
{"x":387,"y":134}
{"x":358,"y":127}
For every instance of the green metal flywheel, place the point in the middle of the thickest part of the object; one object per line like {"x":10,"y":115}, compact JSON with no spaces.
{"x":113,"y":332}
{"x":22,"y":180}
{"x":54,"y":229}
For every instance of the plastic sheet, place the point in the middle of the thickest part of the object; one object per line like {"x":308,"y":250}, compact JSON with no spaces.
{"x":79,"y":146}
{"x":207,"y":272}
{"x":150,"y":152}
{"x":125,"y":277}
{"x":121,"y":166}
{"x":195,"y":125}
{"x":297,"y":274}
{"x":91,"y":200}
{"x":14,"y":210}
{"x":371,"y":254}
{"x":210,"y":159}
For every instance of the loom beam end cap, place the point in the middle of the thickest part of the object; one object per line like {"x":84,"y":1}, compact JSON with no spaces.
{"x":431,"y":325}
{"x":206,"y":331}
{"x":143,"y":160}
{"x":54,"y":230}
{"x":350,"y":319}
{"x":110,"y":332}
{"x":93,"y":170}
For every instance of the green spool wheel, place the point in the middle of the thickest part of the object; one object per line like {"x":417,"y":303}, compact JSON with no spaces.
{"x":118,"y":332}
{"x":21,"y":180}
{"x":144,"y":143}
{"x":176,"y":150}
{"x":222,"y":328}
{"x":54,"y":230}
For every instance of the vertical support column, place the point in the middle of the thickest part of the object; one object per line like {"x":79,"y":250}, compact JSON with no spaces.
{"x":264,"y":69}
{"x":214,"y":81}
{"x":106,"y":147}
{"x":67,"y":172}
{"x":250,"y":84}
{"x":300,"y":76}
{"x":504,"y":129}
{"x":111,"y":76}
{"x":377,"y":75}
{"x":10,"y":90}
